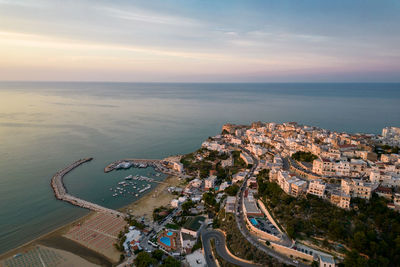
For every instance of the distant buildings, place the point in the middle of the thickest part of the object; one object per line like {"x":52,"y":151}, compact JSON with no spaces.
{"x":391,"y":135}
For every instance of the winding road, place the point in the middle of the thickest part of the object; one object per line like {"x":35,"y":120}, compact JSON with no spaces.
{"x":242,"y":224}
{"x":220,"y":246}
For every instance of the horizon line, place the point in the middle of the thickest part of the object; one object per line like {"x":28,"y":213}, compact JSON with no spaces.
{"x":196,"y":82}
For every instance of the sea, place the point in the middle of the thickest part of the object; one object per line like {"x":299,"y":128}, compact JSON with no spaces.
{"x":45,"y":126}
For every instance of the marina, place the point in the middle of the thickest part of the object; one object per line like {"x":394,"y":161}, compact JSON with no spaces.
{"x":131,"y":185}
{"x":61,"y":193}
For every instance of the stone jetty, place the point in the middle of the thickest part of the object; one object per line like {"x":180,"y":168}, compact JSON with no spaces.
{"x":61,"y":193}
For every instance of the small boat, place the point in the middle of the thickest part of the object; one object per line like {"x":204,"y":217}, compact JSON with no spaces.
{"x":136,"y":195}
{"x":114,"y":195}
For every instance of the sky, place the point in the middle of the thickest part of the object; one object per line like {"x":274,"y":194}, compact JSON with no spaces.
{"x":200,"y":41}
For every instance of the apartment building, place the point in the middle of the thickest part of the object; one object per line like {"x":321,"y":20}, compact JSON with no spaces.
{"x":340,"y":199}
{"x":358,"y":188}
{"x":209,"y":182}
{"x":316,"y":188}
{"x":324,"y":166}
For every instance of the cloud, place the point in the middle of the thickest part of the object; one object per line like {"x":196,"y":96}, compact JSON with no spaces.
{"x":20,"y":3}
{"x":43,"y":41}
{"x":149,"y":17}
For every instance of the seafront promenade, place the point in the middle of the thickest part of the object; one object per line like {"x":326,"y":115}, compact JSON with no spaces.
{"x":61,"y":193}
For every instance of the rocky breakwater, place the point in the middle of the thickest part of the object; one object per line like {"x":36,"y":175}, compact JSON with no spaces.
{"x":61,"y":193}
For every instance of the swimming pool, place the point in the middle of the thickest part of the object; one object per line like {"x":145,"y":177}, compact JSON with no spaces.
{"x":253,"y":221}
{"x":169,"y":233}
{"x":166,"y":241}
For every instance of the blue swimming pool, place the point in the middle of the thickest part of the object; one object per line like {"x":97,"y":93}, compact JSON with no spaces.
{"x":253,"y":221}
{"x":169,"y":233}
{"x":166,"y":241}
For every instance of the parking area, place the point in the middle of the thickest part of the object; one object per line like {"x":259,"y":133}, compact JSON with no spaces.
{"x":264,"y":225}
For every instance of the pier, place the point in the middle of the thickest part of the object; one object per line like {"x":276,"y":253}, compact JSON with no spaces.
{"x":61,"y":193}
{"x":155,"y":163}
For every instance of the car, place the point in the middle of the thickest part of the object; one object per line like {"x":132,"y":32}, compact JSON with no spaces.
{"x":211,"y":257}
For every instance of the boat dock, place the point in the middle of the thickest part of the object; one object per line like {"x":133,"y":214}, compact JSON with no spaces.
{"x":61,"y":193}
{"x":128,"y":163}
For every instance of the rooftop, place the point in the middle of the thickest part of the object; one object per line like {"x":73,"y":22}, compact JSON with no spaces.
{"x":194,"y":223}
{"x":251,"y":206}
{"x":327,"y":259}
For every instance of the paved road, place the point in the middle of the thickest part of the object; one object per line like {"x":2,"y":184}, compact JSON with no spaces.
{"x":242,"y":225}
{"x":206,"y":236}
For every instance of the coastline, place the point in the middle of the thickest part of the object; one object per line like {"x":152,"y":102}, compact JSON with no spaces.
{"x":159,"y":196}
{"x":141,"y":207}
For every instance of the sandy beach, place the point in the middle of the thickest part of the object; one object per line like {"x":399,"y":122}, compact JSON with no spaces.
{"x":55,"y":240}
{"x":157,"y":197}
{"x":75,"y":254}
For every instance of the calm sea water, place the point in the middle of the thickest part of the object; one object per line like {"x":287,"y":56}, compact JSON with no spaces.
{"x":46,"y":126}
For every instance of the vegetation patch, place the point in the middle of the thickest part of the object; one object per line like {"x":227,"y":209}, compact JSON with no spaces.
{"x":304,"y":156}
{"x":372,"y":231}
{"x":156,"y":258}
{"x":238,"y":245}
{"x":161,"y":212}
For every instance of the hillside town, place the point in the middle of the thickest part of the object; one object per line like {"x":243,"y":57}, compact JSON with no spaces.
{"x":232,"y":179}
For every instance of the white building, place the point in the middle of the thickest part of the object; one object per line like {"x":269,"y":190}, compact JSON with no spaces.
{"x":325,"y":261}
{"x":132,"y":237}
{"x":342,"y":168}
{"x":174,"y":203}
{"x":209,"y":182}
{"x":196,"y":183}
{"x":212,"y":145}
{"x":230,"y":204}
{"x":178,"y":166}
{"x":358,"y":188}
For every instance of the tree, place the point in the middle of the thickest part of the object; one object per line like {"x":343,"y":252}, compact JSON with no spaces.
{"x":304,"y":156}
{"x":143,"y":259}
{"x":232,"y":190}
{"x":224,"y":132}
{"x":187,"y":205}
{"x":171,"y":262}
{"x":157,"y":254}
{"x":121,"y":257}
{"x":209,"y":199}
